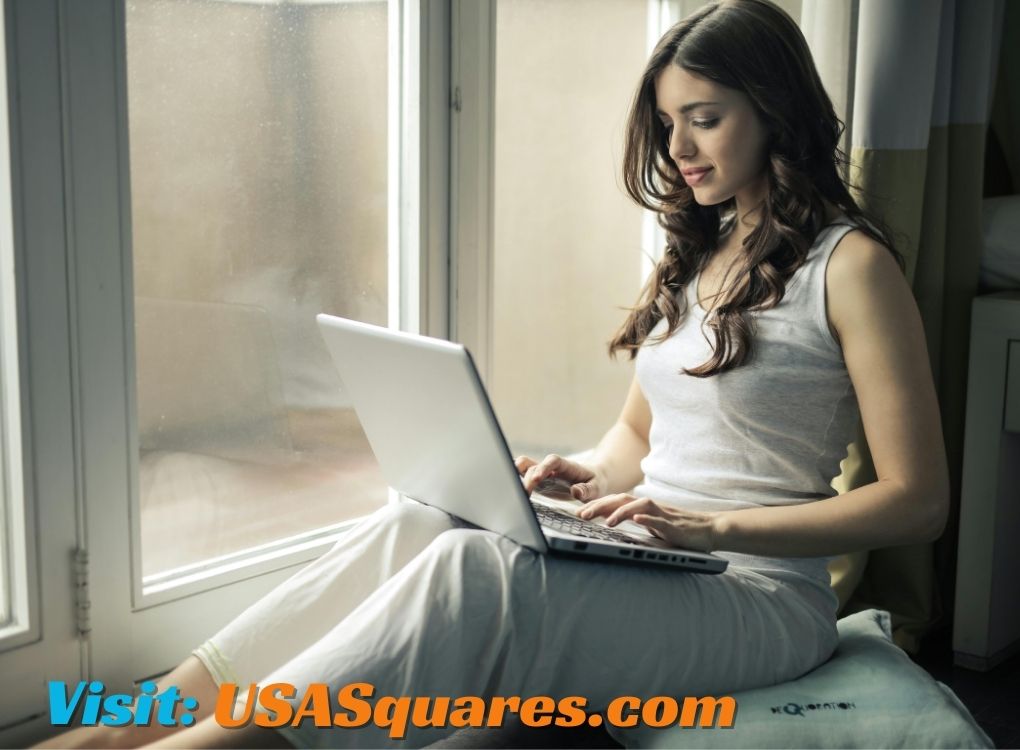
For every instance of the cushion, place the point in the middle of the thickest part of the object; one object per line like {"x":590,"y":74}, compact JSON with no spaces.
{"x":868,"y":694}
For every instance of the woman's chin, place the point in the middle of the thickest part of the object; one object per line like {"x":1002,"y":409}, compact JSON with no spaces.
{"x":706,"y":197}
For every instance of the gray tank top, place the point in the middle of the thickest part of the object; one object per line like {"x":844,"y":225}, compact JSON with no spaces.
{"x":771,"y":432}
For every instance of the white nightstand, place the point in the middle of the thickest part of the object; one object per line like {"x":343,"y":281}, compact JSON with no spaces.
{"x":986,"y":624}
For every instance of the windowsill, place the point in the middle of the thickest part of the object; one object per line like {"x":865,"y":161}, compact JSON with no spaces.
{"x":197,"y":508}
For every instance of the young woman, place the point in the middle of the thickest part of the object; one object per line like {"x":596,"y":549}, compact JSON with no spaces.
{"x":777,"y":315}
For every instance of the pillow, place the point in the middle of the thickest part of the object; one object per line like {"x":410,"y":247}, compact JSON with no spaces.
{"x":868,"y":694}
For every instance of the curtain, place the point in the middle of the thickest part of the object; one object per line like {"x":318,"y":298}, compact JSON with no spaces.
{"x":917,"y":76}
{"x":1002,"y":160}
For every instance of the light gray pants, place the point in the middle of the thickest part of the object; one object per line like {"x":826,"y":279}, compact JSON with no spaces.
{"x":416,"y":604}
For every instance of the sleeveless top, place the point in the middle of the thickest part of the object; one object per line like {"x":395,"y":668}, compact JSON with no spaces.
{"x":770,"y":432}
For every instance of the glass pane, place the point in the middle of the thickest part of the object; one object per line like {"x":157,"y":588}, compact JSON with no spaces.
{"x":258,"y":135}
{"x":567,"y":239}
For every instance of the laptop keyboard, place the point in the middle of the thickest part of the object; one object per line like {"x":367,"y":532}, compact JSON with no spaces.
{"x":571,"y":524}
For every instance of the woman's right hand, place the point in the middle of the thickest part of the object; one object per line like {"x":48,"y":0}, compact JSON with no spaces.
{"x":585,"y":482}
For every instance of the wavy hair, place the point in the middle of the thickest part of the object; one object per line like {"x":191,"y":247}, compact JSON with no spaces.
{"x":756,"y":48}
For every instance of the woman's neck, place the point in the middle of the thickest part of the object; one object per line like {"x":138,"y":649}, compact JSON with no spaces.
{"x":742,"y":223}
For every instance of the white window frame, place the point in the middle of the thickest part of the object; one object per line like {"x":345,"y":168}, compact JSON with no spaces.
{"x":472,"y":154}
{"x":49,"y":649}
{"x":15,"y":615}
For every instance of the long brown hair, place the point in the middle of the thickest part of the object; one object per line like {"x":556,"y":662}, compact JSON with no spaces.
{"x":754,"y":47}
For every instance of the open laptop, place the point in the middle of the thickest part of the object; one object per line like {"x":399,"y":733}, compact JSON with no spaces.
{"x":431,"y":425}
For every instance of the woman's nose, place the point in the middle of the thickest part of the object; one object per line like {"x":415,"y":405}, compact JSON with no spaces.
{"x":681,"y":147}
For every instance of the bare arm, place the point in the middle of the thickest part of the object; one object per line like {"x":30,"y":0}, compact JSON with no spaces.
{"x":615,"y":462}
{"x":617,"y":458}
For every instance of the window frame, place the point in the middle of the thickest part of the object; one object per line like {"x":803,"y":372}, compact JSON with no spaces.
{"x":472,"y":154}
{"x":50,"y":649}
{"x":18,"y":569}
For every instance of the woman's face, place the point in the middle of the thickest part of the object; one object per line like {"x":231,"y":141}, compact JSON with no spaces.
{"x":715,"y":138}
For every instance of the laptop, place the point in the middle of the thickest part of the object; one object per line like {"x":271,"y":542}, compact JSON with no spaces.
{"x":432,"y":428}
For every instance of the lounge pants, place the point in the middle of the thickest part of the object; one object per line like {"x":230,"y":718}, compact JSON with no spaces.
{"x":418,"y":603}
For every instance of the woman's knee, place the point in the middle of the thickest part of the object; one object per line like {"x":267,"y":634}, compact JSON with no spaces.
{"x":479,"y":550}
{"x":460,"y":540}
{"x":418,"y":519}
{"x":404,"y":515}
{"x":413,"y":510}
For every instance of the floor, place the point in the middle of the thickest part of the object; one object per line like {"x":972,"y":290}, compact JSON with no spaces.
{"x":993,"y":697}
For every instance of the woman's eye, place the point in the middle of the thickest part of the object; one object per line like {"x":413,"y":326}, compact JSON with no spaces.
{"x":706,"y":124}
{"x":668,"y":131}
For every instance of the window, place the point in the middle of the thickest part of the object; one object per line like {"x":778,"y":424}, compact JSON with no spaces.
{"x":258,"y":151}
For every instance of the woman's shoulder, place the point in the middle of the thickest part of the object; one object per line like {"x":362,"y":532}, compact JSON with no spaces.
{"x":856,"y":252}
{"x":861,"y":272}
{"x":858,"y":257}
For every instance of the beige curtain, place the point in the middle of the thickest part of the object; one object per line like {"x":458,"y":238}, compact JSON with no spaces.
{"x":916,"y":76}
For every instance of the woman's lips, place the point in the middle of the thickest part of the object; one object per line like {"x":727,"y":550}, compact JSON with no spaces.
{"x":694,"y":176}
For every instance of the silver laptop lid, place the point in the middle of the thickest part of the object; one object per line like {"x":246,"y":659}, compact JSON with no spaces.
{"x":429,"y":422}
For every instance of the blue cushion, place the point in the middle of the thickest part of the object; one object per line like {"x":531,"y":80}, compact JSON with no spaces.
{"x":868,"y":694}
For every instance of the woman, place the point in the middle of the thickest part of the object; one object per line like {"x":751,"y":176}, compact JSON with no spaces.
{"x":778,"y":311}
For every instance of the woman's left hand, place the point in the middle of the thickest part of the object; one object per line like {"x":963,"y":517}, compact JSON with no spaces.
{"x":680,"y":528}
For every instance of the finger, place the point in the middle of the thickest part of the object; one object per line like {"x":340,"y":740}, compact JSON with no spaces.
{"x":605,"y":505}
{"x":546,"y":468}
{"x":583,"y":491}
{"x":529,"y":477}
{"x":534,"y":476}
{"x":640,"y":505}
{"x":523,"y":463}
{"x":551,"y":463}
{"x":658,"y":525}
